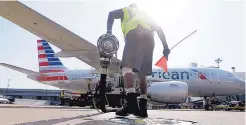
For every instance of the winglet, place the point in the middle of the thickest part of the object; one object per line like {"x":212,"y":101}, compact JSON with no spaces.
{"x":162,"y":63}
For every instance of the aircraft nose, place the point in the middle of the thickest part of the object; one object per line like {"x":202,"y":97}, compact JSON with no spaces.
{"x":242,"y":85}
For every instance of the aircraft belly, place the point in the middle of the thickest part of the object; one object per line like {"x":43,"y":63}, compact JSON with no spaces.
{"x":81,"y":86}
{"x":208,"y":89}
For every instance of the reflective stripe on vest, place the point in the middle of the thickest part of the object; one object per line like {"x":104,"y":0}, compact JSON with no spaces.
{"x":133,"y":18}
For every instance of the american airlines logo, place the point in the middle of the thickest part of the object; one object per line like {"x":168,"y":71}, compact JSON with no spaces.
{"x":76,"y":76}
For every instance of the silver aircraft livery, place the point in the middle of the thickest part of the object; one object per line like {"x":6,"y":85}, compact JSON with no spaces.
{"x":172,"y":86}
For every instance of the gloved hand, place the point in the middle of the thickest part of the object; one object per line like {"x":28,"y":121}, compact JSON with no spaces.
{"x":166,"y":52}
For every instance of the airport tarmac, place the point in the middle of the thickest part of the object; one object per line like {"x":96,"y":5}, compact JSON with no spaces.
{"x":50,"y":115}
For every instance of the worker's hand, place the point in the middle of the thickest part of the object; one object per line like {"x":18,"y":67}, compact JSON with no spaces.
{"x":166,"y":52}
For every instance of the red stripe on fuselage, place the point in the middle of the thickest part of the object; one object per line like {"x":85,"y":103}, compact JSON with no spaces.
{"x":52,"y":78}
{"x":42,"y":56}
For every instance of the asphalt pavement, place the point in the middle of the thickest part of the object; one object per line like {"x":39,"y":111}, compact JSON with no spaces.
{"x":57,"y":115}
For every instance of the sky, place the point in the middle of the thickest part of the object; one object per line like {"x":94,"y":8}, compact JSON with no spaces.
{"x":219,"y":24}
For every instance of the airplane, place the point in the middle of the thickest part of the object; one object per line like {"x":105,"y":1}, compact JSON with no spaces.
{"x":189,"y":82}
{"x":72,"y":45}
{"x":193,"y":82}
{"x":53,"y":72}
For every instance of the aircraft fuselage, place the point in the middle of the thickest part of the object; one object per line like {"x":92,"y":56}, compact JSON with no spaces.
{"x":200,"y":81}
{"x":204,"y":81}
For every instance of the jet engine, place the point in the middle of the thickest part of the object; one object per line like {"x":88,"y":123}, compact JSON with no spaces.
{"x":168,"y":92}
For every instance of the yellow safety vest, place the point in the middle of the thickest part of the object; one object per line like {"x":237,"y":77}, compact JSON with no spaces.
{"x":62,"y":93}
{"x":132,"y":18}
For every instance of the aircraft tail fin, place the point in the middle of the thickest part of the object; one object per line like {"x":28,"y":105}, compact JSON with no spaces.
{"x":48,"y":63}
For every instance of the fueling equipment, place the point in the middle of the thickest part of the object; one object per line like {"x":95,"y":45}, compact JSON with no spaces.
{"x":107,"y":45}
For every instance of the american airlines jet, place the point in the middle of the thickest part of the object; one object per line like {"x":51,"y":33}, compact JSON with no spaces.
{"x":173,"y":86}
{"x":179,"y":83}
{"x":53,"y":72}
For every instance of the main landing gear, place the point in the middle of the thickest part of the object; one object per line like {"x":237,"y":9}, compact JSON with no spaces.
{"x":211,"y":103}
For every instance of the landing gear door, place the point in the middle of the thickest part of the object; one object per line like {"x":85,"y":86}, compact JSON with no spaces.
{"x":214,"y":77}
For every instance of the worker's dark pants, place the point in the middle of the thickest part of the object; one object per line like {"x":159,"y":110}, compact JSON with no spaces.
{"x":62,"y":101}
{"x":138,"y":51}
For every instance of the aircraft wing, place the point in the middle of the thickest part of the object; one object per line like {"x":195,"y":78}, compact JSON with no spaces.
{"x":71,"y":44}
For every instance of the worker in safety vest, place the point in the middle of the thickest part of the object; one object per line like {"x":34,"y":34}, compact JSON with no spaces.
{"x":62,"y":94}
{"x":138,"y":30}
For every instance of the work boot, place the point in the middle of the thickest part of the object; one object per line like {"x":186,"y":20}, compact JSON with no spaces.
{"x":130,"y":107}
{"x":142,"y":108}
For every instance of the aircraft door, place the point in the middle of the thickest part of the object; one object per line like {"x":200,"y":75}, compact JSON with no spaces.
{"x":214,"y":77}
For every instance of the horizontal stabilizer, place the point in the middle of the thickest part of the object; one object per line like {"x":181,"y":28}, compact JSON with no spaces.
{"x":22,"y":70}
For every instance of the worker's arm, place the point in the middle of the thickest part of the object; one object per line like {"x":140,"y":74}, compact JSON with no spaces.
{"x":161,"y":35}
{"x":116,"y":14}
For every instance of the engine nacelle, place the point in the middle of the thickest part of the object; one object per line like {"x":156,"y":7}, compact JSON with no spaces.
{"x":168,"y":92}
